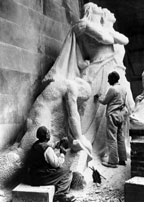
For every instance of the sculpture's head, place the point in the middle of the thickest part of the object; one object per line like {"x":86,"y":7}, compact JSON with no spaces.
{"x":43,"y":134}
{"x":107,"y":16}
{"x":91,"y":9}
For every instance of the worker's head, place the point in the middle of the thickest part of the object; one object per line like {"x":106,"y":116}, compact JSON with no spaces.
{"x":113,"y":78}
{"x":43,"y":134}
{"x":64,"y":142}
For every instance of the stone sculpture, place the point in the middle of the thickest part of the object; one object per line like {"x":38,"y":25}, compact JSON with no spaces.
{"x":101,"y":51}
{"x":137,"y":116}
{"x":91,"y":50}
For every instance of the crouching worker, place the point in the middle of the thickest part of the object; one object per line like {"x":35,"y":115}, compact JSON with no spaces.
{"x":45,"y":166}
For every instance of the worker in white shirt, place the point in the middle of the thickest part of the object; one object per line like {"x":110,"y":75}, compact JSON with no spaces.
{"x":46,"y":166}
{"x":116,"y":113}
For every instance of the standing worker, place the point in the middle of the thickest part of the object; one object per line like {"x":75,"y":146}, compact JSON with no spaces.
{"x":116,"y":112}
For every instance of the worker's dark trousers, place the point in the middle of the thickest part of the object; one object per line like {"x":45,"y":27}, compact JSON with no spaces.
{"x":61,"y":178}
{"x":115,"y":137}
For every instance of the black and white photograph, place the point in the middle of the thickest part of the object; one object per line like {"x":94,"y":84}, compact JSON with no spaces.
{"x":72,"y":101}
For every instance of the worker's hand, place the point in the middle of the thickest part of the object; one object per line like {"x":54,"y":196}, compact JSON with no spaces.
{"x":63,"y":150}
{"x":96,"y":97}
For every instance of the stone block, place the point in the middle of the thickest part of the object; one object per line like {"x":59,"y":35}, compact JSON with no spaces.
{"x":72,"y":5}
{"x":36,"y":5}
{"x":15,"y":101}
{"x":52,"y":46}
{"x":8,"y":109}
{"x":137,"y":172}
{"x":33,"y":4}
{"x":30,"y":62}
{"x":10,"y":57}
{"x":137,"y":145}
{"x":46,"y":63}
{"x":8,"y":10}
{"x":26,"y":193}
{"x":11,"y":80}
{"x":16,"y":35}
{"x":136,"y":132}
{"x":8,"y":133}
{"x":17,"y":59}
{"x":52,"y":29}
{"x":53,"y":10}
{"x":58,"y":2}
{"x":24,"y":2}
{"x":134,"y":190}
{"x":60,"y":11}
{"x":136,"y":163}
{"x":16,"y":13}
{"x":9,"y":32}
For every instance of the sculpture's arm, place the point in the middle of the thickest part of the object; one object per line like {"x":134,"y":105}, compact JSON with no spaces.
{"x":73,"y":114}
{"x":79,"y":140}
{"x":119,"y":38}
{"x":82,"y":64}
{"x":97,"y":32}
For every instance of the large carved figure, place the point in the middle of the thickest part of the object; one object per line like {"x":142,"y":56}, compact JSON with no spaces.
{"x":57,"y":109}
{"x":137,"y":116}
{"x":101,"y":50}
{"x":92,"y":49}
{"x":90,"y":52}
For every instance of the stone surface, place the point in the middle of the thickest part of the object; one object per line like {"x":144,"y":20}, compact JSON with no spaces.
{"x":134,"y":189}
{"x":30,"y":41}
{"x":137,"y":157}
{"x":26,"y":193}
{"x":22,"y":23}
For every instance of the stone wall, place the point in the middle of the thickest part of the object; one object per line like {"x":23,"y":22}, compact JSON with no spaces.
{"x":31,"y":36}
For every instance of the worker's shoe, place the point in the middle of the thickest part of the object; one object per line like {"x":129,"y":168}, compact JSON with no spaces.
{"x":64,"y":198}
{"x":107,"y":164}
{"x":122,"y":163}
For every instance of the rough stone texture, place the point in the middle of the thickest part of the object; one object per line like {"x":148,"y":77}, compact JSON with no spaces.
{"x":11,"y":167}
{"x":26,"y":193}
{"x":134,"y":189}
{"x":31,"y":36}
{"x":30,"y":39}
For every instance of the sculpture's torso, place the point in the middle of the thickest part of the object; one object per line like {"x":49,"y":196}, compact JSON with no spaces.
{"x":94,"y":50}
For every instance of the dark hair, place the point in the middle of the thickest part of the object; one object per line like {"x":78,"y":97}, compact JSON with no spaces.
{"x":43,"y":134}
{"x":64,"y":142}
{"x":113,"y":78}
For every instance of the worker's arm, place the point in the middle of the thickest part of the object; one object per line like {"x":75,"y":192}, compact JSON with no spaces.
{"x":54,"y":160}
{"x":108,"y":97}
